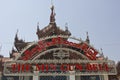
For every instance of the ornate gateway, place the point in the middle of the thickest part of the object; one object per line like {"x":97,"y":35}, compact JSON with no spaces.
{"x":57,"y":56}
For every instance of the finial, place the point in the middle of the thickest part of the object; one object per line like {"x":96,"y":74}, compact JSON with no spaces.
{"x":38,"y":26}
{"x":87,"y":33}
{"x":16,"y":37}
{"x":52,"y":16}
{"x":87,"y":39}
{"x":102,"y":52}
{"x":66,"y":26}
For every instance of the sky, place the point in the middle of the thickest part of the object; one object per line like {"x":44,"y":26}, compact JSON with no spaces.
{"x":101,"y":18}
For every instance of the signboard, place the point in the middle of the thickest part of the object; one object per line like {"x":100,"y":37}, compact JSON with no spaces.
{"x":59,"y":67}
{"x":42,"y":45}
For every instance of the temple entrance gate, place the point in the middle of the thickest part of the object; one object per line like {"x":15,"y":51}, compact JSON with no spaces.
{"x":59,"y":58}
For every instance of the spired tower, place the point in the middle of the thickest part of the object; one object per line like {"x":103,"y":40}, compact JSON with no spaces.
{"x":56,"y":57}
{"x":52,"y":28}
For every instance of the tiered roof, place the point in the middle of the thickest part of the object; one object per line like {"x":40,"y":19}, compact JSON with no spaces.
{"x":50,"y":30}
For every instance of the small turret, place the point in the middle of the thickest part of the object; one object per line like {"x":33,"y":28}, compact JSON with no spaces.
{"x":87,"y":39}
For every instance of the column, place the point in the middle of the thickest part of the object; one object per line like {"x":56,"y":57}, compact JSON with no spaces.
{"x":101,"y":77}
{"x":105,"y":77}
{"x":72,"y":75}
{"x":36,"y":76}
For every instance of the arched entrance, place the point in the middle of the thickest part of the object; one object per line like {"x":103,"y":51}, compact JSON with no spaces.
{"x":57,"y":58}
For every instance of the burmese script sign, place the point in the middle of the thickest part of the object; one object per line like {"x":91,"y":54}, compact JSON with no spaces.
{"x":59,"y":67}
{"x":42,"y":45}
